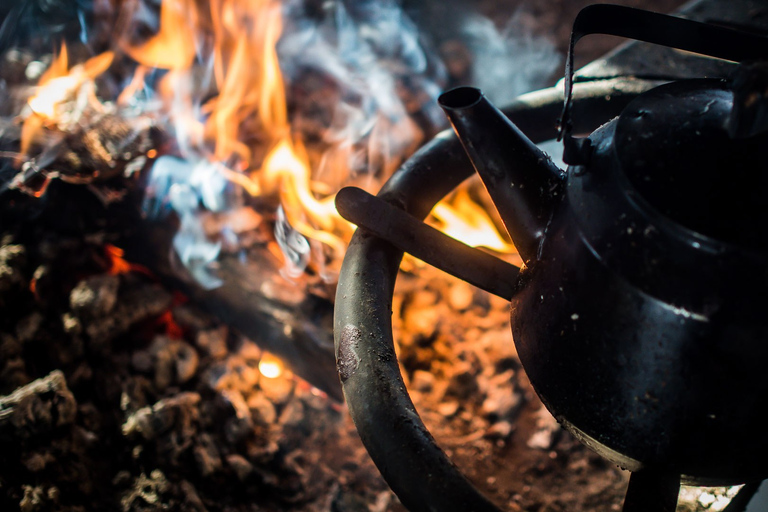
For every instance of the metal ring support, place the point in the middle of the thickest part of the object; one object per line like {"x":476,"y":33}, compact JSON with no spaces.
{"x":413,"y":465}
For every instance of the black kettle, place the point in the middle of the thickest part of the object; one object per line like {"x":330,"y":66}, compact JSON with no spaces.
{"x":641,"y":313}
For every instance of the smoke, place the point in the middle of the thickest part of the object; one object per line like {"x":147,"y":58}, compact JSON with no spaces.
{"x":188,"y":188}
{"x":509,"y":62}
{"x":383,"y":75}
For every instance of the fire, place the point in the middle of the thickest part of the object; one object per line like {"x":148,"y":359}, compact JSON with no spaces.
{"x":270,"y":366}
{"x":463,"y":219}
{"x":240,"y":122}
{"x":173,"y":47}
{"x":286,"y":172}
{"x":60,"y":85}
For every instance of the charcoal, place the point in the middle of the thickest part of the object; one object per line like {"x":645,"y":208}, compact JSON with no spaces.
{"x":207,"y":456}
{"x":146,"y":493}
{"x":38,"y":498}
{"x":95,"y":296}
{"x":213,"y":342}
{"x":38,"y":408}
{"x":178,"y":413}
{"x":240,"y":465}
{"x":28,"y":328}
{"x":12,"y":263}
{"x":138,"y":304}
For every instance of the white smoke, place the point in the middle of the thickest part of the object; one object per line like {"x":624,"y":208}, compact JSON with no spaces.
{"x":371,"y":52}
{"x":509,"y":62}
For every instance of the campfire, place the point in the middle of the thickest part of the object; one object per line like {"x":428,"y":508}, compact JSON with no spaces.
{"x":170,"y":250}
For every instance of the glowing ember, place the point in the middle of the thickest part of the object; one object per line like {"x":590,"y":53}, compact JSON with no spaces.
{"x":270,"y":367}
{"x":118,"y":265}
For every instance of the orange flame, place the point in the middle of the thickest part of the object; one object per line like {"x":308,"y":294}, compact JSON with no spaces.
{"x":247,"y":72}
{"x":60,"y":85}
{"x":173,"y":47}
{"x":463,"y":219}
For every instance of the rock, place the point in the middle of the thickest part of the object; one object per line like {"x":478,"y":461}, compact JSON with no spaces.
{"x":293,"y":414}
{"x":191,"y":501}
{"x":463,"y":382}
{"x":173,"y":361}
{"x":28,"y":328}
{"x":503,"y":401}
{"x":141,"y":360}
{"x":279,"y":389}
{"x":38,"y":498}
{"x":140,"y":302}
{"x":164,"y":362}
{"x":10,"y":347}
{"x":347,"y":501}
{"x":37,"y":462}
{"x":548,"y":431}
{"x":240,"y":425}
{"x":422,"y":323}
{"x":190,"y":318}
{"x":448,"y":409}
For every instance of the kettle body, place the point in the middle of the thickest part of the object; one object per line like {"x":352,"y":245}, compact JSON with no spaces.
{"x":641,"y":320}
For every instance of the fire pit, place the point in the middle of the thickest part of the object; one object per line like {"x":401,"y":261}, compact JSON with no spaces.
{"x":166,"y":304}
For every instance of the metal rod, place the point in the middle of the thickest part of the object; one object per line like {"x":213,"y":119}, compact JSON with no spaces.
{"x":430,"y":245}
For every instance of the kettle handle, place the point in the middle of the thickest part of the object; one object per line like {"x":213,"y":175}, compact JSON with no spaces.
{"x":662,"y":29}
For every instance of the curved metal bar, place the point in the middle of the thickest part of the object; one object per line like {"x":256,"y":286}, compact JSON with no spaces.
{"x":416,"y":469}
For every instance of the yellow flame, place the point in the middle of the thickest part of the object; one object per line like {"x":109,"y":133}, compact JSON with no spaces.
{"x":59,"y":85}
{"x":270,"y":366}
{"x":286,"y":172}
{"x":465,"y":220}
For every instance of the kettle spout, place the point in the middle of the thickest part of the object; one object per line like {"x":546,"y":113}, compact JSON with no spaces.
{"x":521,"y":179}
